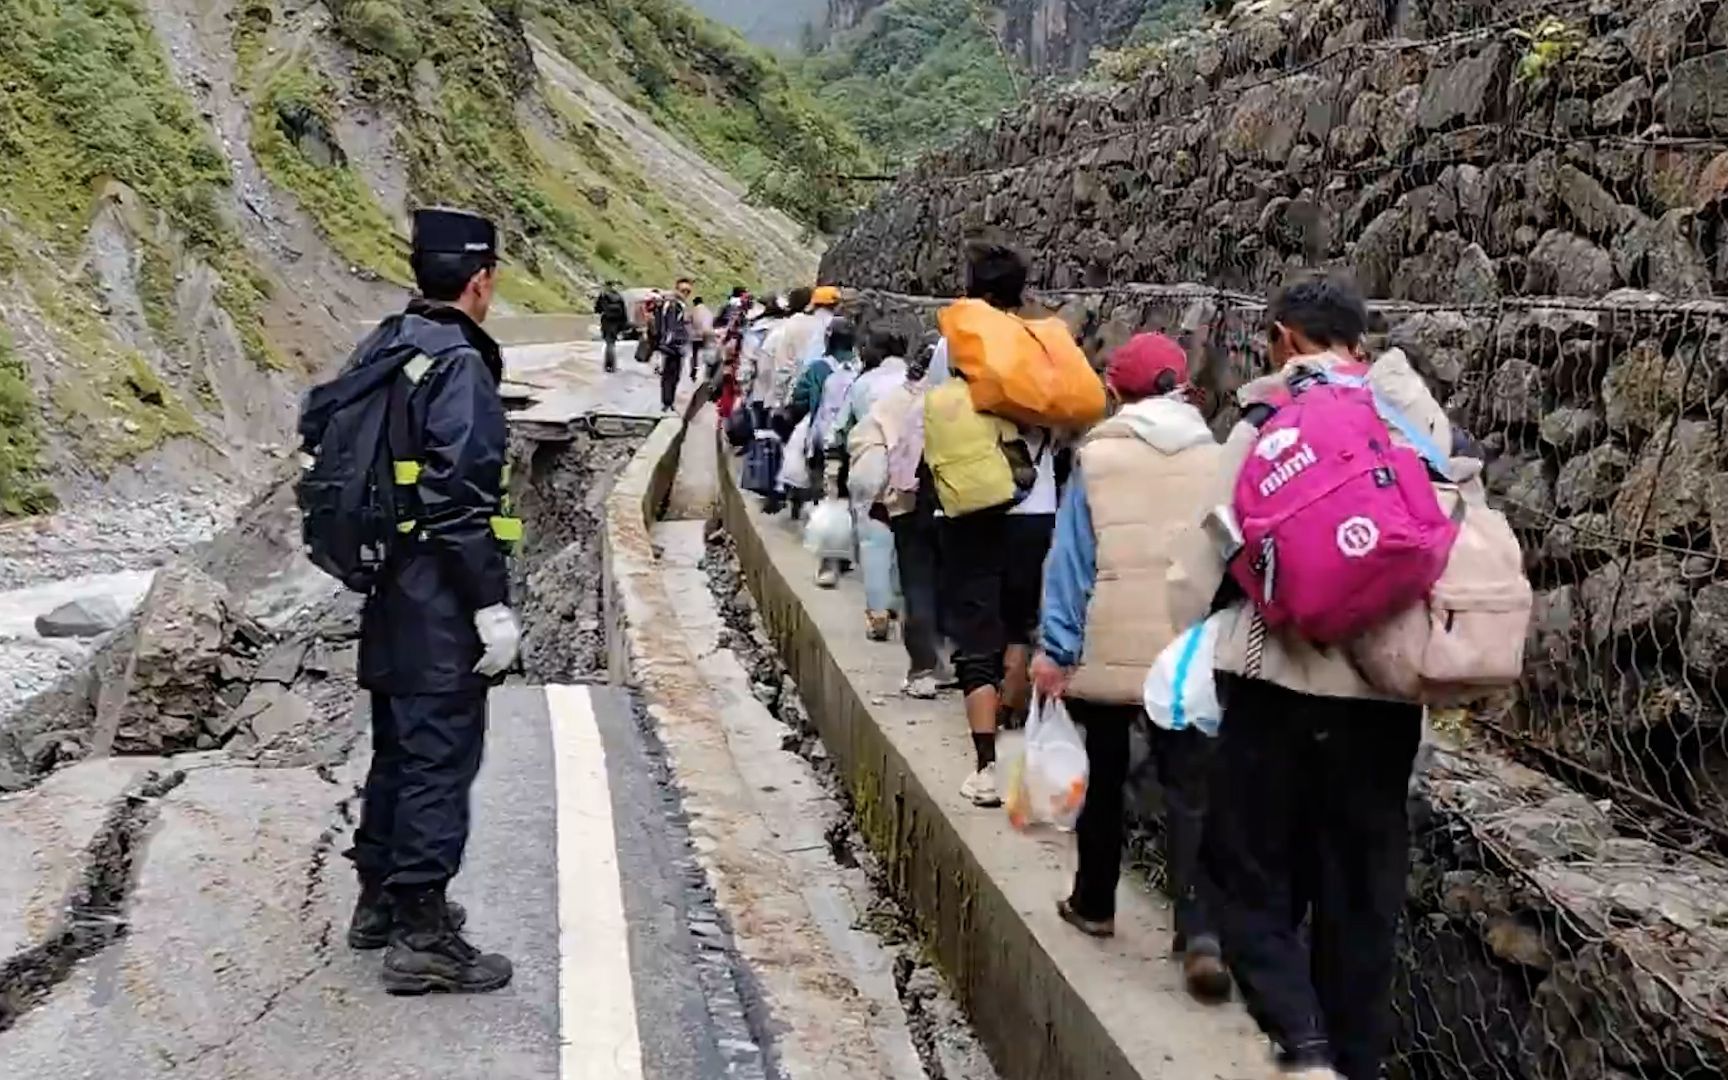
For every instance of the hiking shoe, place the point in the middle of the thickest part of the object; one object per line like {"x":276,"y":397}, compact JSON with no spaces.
{"x":1098,"y":928}
{"x":1204,"y":973}
{"x":877,"y":624}
{"x":427,"y":955}
{"x":921,"y":685}
{"x":828,"y":576}
{"x":980,"y":787}
{"x":375,"y":916}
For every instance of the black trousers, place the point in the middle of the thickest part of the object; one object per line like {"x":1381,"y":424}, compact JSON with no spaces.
{"x":991,"y":588}
{"x":1309,"y":820}
{"x":426,"y":752}
{"x":671,"y":367}
{"x":1183,"y":761}
{"x":915,"y":553}
{"x":611,"y":337}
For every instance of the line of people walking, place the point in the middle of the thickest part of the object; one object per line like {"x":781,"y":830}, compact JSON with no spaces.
{"x":1039,"y":535}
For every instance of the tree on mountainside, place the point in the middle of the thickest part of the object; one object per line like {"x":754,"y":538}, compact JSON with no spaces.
{"x":915,"y":73}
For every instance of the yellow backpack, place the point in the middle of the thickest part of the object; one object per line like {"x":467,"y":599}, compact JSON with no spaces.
{"x":963,"y":448}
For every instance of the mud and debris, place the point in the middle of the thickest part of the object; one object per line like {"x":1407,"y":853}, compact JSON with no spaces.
{"x":942,"y":1036}
{"x":557,"y":578}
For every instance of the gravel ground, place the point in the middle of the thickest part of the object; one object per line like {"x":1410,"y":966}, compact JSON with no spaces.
{"x":102,"y":536}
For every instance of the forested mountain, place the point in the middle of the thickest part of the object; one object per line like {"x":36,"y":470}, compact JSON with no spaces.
{"x":909,"y":74}
{"x":777,"y":24}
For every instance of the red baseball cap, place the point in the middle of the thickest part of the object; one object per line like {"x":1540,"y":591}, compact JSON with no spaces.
{"x":1134,"y":368}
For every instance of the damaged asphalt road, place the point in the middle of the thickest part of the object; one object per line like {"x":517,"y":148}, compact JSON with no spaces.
{"x":183,"y":916}
{"x":260,"y":983}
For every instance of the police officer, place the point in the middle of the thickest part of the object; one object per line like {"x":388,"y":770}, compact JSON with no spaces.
{"x":437,"y":629}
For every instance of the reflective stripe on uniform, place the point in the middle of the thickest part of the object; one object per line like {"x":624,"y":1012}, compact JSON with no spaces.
{"x":407,"y":472}
{"x":507,"y":529}
{"x":406,"y":527}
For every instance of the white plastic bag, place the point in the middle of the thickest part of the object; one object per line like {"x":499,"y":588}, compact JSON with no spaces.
{"x":829,"y":532}
{"x":1181,"y":688}
{"x":1047,"y":783}
{"x":794,"y":463}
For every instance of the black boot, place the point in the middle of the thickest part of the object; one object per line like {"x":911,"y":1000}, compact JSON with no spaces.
{"x":428,"y":955}
{"x":375,"y":914}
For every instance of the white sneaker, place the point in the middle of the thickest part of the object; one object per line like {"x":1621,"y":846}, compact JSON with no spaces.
{"x":828,"y":576}
{"x":980,"y":787}
{"x":920,"y":686}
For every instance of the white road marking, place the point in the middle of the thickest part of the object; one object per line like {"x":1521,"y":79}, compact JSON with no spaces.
{"x":596,"y":998}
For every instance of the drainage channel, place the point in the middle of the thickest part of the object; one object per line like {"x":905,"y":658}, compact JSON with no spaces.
{"x":921,"y":1031}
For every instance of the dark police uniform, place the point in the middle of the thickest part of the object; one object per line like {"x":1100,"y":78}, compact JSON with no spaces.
{"x":418,"y":644}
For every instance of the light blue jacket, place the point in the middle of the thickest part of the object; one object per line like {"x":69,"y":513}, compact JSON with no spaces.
{"x":1070,"y":572}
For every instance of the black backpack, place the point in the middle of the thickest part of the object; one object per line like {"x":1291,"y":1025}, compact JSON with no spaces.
{"x":353,"y":431}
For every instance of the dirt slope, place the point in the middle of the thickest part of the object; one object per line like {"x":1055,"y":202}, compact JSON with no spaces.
{"x":201,"y":198}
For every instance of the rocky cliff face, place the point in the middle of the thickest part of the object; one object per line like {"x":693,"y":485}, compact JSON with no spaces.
{"x":1448,"y":156}
{"x":1535,"y":195}
{"x":1049,"y":36}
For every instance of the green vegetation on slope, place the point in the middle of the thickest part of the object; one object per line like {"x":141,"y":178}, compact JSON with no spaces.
{"x":296,"y":101}
{"x":86,"y":97}
{"x":915,"y":73}
{"x":21,"y":490}
{"x":733,"y":101}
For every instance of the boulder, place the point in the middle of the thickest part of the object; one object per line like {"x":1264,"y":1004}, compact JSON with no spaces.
{"x":1695,"y":101}
{"x":1539,"y":334}
{"x":1523,"y":492}
{"x":87,"y":617}
{"x":1379,"y":252}
{"x":1624,"y":109}
{"x":1706,"y":645}
{"x":1578,"y":545}
{"x":1664,"y":255}
{"x":1658,"y":38}
{"x":1565,"y":264}
{"x":1591,"y":478}
{"x":171,"y":668}
{"x":1469,"y":92}
{"x":1569,"y":429}
{"x":1441,"y":344}
{"x":1644,"y":386}
{"x":1514,"y":393}
{"x":1596,"y":212}
{"x":1668,"y":491}
{"x":1647,"y":601}
{"x":282,"y":664}
{"x":1557,"y":631}
{"x":270,"y":712}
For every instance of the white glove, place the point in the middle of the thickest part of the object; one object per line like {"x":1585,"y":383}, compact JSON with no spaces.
{"x":501,"y":637}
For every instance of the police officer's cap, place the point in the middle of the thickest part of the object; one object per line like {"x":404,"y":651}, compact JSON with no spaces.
{"x":440,"y":231}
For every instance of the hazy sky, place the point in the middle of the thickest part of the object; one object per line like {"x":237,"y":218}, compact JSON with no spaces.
{"x":770,"y":22}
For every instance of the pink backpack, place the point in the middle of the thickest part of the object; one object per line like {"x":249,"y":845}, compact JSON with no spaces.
{"x":1341,"y":528}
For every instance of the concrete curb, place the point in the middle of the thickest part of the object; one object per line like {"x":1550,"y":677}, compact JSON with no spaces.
{"x":1049,"y":1005}
{"x":821,"y":1023}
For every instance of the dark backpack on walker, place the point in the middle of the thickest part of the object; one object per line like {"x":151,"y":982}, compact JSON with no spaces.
{"x":353,"y":431}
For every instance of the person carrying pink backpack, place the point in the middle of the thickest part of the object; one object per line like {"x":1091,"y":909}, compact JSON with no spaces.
{"x":1307,"y":818}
